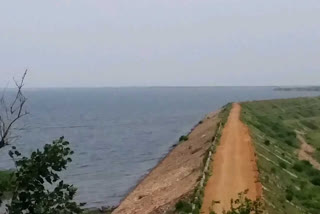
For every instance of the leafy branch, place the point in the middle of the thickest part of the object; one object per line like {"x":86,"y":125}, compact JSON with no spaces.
{"x":39,"y":188}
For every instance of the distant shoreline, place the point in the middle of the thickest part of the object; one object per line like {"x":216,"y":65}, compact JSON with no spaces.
{"x":307,"y":88}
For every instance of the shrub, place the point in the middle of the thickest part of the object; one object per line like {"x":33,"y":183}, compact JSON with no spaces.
{"x":244,"y":205}
{"x":289,"y":142}
{"x":282,"y":164}
{"x":315,"y":181}
{"x":183,"y":206}
{"x":38,"y":187}
{"x":183,"y":138}
{"x":298,"y":167}
{"x":313,"y":172}
{"x":291,"y":134}
{"x":302,"y":165}
{"x":289,"y":196}
{"x":267,"y":142}
{"x":306,"y":163}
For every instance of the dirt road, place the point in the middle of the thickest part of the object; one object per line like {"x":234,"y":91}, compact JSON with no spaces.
{"x":234,"y":166}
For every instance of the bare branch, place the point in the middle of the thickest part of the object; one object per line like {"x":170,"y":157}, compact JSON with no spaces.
{"x":19,"y":96}
{"x":13,"y":112}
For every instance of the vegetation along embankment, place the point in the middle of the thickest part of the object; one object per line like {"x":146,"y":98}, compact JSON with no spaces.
{"x":286,"y":135}
{"x":173,"y":186}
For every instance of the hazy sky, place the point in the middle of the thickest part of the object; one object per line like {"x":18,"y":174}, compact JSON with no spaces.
{"x":92,"y":43}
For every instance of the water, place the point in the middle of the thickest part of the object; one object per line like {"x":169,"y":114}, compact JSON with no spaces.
{"x":119,"y":135}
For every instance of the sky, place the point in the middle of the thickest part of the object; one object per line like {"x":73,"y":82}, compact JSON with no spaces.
{"x":112,"y":43}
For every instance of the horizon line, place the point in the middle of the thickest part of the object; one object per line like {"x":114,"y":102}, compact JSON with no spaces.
{"x":160,"y":86}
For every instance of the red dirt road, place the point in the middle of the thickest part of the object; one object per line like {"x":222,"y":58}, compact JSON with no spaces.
{"x":234,"y":166}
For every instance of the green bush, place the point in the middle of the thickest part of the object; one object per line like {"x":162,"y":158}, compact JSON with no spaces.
{"x":312,"y":172}
{"x":315,"y":181}
{"x":306,"y":163}
{"x":183,"y":138}
{"x":38,"y":186}
{"x":289,"y":196}
{"x":183,"y":206}
{"x":244,"y":205}
{"x":303,"y":165}
{"x":298,"y":167}
{"x":282,"y":164}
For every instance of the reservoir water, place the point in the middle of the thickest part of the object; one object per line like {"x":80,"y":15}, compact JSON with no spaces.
{"x":119,"y":134}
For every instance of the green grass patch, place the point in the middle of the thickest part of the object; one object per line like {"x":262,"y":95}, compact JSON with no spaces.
{"x":6,"y":181}
{"x":291,"y":186}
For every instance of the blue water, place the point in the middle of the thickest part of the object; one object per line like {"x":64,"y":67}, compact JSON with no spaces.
{"x":119,"y":134}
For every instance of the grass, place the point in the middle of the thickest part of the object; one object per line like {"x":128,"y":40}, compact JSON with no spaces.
{"x":290,"y":185}
{"x":6,"y":178}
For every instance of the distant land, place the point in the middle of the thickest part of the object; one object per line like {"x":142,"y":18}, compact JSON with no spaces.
{"x":306,"y":88}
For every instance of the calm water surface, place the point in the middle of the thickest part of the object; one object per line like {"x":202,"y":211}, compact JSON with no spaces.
{"x":119,"y":135}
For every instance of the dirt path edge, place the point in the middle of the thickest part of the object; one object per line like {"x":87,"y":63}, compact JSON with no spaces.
{"x":234,"y":167}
